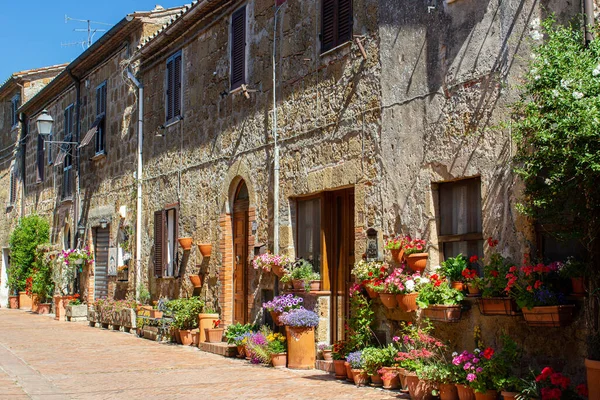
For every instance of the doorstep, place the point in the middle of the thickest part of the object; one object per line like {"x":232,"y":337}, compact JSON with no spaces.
{"x":326,"y":366}
{"x":222,"y":348}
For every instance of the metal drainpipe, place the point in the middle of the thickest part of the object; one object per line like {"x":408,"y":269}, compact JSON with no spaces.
{"x":77,"y":152}
{"x":24,"y":133}
{"x":276,"y":146}
{"x":588,"y":10}
{"x":138,"y":222}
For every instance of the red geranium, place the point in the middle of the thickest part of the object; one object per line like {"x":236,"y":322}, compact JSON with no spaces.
{"x":473,"y":259}
{"x":488,"y":353}
{"x":492,"y":242}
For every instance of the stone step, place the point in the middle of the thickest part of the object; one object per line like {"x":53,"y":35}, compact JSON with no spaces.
{"x":221,"y":348}
{"x":326,"y":366}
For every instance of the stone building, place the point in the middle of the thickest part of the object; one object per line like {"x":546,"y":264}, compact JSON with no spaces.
{"x":83,"y":183}
{"x":16,"y":90}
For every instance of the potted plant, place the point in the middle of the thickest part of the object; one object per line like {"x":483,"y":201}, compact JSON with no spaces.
{"x":444,"y":378}
{"x":276,"y":348}
{"x":361,"y":378}
{"x":396,"y":245}
{"x":325,"y":350}
{"x":576,"y":272}
{"x":300,"y":326}
{"x":414,"y":253}
{"x":472,"y":280}
{"x":279,"y":264}
{"x":452,"y":269}
{"x":494,"y":299}
{"x":185,"y":316}
{"x":534,"y":289}
{"x":338,"y":353}
{"x":439,"y":301}
{"x":41,"y":281}
{"x":303,"y":276}
{"x":214,"y":334}
{"x":373,"y":359}
{"x":205,"y":319}
{"x":281,"y":304}
{"x":555,"y":385}
{"x":76,"y":310}
{"x":234,"y":334}
{"x":366,"y":272}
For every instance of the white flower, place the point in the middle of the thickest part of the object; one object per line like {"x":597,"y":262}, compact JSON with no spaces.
{"x":533,"y":71}
{"x":535,"y":23}
{"x":577,"y":95}
{"x":555,"y":93}
{"x":454,"y":354}
{"x":596,"y":71}
{"x":476,"y":351}
{"x":410,"y":285}
{"x":536,"y":35}
{"x":537,"y":77}
{"x":548,"y":181}
{"x":565,"y":83}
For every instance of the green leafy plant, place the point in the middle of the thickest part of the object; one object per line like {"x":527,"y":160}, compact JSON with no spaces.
{"x":31,"y":231}
{"x":439,"y":292}
{"x":494,"y":276}
{"x":144,"y":294}
{"x":374,"y":358}
{"x":236,"y":330}
{"x":453,"y":267}
{"x":360,"y":320}
{"x":185,"y":312}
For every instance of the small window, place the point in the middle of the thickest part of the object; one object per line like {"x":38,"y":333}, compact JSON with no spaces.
{"x":15,"y":103}
{"x":100,"y":143}
{"x":238,"y":48}
{"x":165,"y":242}
{"x":309,"y":231}
{"x":173,"y":97}
{"x":460,"y":227}
{"x":12,"y":197}
{"x":67,"y":189}
{"x":336,"y":23}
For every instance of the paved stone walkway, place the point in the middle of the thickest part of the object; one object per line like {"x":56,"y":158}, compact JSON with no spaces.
{"x":45,"y":359}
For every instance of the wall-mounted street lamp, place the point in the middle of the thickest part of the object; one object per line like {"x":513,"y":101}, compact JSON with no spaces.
{"x":81,"y":229}
{"x":44,"y":127}
{"x":103,"y":223}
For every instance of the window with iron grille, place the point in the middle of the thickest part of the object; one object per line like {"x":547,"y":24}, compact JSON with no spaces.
{"x":100,"y":140}
{"x":173,"y":85}
{"x":14,"y":107}
{"x":166,"y":223}
{"x":238,"y":48}
{"x":336,"y":23}
{"x":460,"y":227}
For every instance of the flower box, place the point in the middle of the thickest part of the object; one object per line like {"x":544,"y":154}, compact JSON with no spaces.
{"x":497,"y":306}
{"x":549,"y":316}
{"x":442,"y":313}
{"x":76,"y":313}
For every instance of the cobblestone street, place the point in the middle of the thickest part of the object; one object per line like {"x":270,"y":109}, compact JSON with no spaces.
{"x":45,"y":359}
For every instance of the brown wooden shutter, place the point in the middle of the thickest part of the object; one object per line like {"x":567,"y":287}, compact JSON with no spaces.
{"x":328,"y":25}
{"x":170,"y":71}
{"x":13,"y":187}
{"x":40,"y":159}
{"x":344,"y":21}
{"x":176,"y":270}
{"x":159,"y":242}
{"x":238,"y":48}
{"x":177,"y":86}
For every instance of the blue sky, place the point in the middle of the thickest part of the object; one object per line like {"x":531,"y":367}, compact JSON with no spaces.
{"x":31,"y":31}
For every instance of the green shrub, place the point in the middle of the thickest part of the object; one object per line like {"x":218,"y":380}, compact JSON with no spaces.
{"x":31,"y":231}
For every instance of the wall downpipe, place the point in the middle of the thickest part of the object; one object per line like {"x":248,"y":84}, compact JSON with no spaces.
{"x":276,"y":145}
{"x":76,"y":212}
{"x":138,"y":176}
{"x":588,"y":10}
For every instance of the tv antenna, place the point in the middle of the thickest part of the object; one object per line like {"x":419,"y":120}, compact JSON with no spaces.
{"x":91,"y":31}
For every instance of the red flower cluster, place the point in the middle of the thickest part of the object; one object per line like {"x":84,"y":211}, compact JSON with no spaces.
{"x":29,"y":286}
{"x":473,"y":259}
{"x":469,"y":274}
{"x":216,"y":323}
{"x":488,"y":353}
{"x":435,"y":278}
{"x":492,"y":242}
{"x":557,"y":384}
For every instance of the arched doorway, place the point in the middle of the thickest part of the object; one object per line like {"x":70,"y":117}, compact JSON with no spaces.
{"x":241,"y":204}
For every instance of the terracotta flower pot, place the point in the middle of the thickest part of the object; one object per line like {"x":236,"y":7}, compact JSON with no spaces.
{"x":205,"y":249}
{"x":473,"y":290}
{"x":397,"y":255}
{"x":436,"y":312}
{"x":301,"y":347}
{"x":361,"y":378}
{"x":578,"y":286}
{"x":195,"y":337}
{"x":407,"y":302}
{"x":205,"y":320}
{"x":241,"y":352}
{"x":35,"y":302}
{"x":402,"y":374}
{"x":418,"y":389}
{"x":327,"y":355}
{"x":24,"y":301}
{"x":186,"y":337}
{"x":340,"y":369}
{"x":214,"y":335}
{"x":43,"y":308}
{"x":389,"y":300}
{"x":498,"y":306}
{"x":196,"y":280}
{"x":417,"y":261}
{"x":489,"y":395}
{"x":185,"y":243}
{"x":457,"y":286}
{"x":465,"y":392}
{"x":372,"y":294}
{"x":279,"y":360}
{"x":176,"y":335}
{"x":376,"y":380}
{"x":276,"y":317}
{"x":349,"y":373}
{"x":509,"y":395}
{"x":277,"y":270}
{"x":13,"y":302}
{"x":593,"y":378}
{"x":391,"y":383}
{"x":448,"y":391}
{"x":551,"y":316}
{"x":315,"y":286}
{"x":298,"y":284}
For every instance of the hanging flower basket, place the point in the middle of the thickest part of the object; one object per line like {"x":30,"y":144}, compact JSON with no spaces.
{"x":389,"y":300}
{"x":407,"y":302}
{"x":442,"y":313}
{"x":417,"y":261}
{"x":497,"y":306}
{"x":550,"y":316}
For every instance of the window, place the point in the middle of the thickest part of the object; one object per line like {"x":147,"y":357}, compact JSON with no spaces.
{"x":165,"y":241}
{"x":309,"y":231}
{"x":174,"y":72}
{"x":238,"y":48}
{"x":336,"y":23}
{"x":101,"y":111}
{"x":460,"y":228}
{"x":40,"y":159}
{"x":14,"y":107}
{"x":67,"y":191}
{"x":12,"y":197}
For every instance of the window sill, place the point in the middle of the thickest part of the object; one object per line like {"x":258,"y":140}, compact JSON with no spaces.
{"x":98,"y":156}
{"x":237,"y":89}
{"x":172,"y":122}
{"x":168,"y":278}
{"x":66,"y":200}
{"x":336,"y":49}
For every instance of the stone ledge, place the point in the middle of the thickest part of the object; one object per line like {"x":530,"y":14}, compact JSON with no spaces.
{"x":326,"y":366}
{"x":222,"y":348}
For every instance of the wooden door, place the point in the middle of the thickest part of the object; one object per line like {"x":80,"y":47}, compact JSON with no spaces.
{"x":339,"y":238}
{"x":240,"y":255}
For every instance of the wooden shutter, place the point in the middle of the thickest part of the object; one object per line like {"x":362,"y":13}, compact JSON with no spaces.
{"x":177,"y":86}
{"x":344,"y":21}
{"x":176,"y":270}
{"x":159,"y":242}
{"x":13,"y":187}
{"x":328,"y":25}
{"x":238,"y":48}
{"x":40,"y":159}
{"x":170,"y":71}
